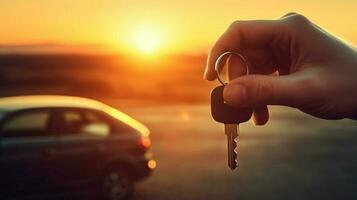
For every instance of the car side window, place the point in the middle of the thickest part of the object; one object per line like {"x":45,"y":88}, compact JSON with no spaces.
{"x":122,"y":128}
{"x":27,"y":124}
{"x":83,"y":122}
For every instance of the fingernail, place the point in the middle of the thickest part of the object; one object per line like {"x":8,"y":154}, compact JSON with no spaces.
{"x":235,"y":95}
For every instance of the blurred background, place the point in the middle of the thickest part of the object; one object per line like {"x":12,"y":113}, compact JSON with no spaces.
{"x":147,"y":58}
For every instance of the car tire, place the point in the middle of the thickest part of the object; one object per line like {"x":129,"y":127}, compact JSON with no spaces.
{"x":116,"y":184}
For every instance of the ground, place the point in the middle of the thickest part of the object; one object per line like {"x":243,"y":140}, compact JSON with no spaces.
{"x":293,"y":157}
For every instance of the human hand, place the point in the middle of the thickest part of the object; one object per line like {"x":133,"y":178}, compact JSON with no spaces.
{"x":317,"y":71}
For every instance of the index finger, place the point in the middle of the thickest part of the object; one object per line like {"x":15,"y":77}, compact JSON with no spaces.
{"x":242,"y":35}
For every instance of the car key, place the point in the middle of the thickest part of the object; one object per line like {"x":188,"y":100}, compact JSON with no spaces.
{"x":231,"y":117}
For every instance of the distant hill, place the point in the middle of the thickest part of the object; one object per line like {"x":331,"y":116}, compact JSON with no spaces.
{"x":165,"y":79}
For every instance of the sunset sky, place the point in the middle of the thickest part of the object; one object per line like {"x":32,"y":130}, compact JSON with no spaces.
{"x":164,"y":26}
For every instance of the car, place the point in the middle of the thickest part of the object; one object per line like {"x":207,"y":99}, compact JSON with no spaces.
{"x":61,"y":143}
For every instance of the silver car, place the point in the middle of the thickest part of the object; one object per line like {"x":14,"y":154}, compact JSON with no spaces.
{"x":57,"y":143}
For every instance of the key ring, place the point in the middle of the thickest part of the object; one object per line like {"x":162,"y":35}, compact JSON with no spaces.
{"x":218,"y":61}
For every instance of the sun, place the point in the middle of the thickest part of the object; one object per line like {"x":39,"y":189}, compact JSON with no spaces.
{"x":147,"y":39}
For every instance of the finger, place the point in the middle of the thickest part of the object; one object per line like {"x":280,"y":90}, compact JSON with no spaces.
{"x":236,"y":67}
{"x":257,"y":90}
{"x":241,"y":35}
{"x":222,"y":63}
{"x":260,"y":115}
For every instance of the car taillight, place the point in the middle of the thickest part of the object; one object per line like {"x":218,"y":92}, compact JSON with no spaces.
{"x":144,"y":142}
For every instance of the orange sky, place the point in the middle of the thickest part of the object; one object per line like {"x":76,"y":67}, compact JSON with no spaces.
{"x":182,"y":26}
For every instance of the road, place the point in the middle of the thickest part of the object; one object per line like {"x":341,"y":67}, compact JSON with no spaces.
{"x":293,"y":157}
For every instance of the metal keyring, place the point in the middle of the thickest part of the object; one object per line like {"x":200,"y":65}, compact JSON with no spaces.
{"x":218,"y":61}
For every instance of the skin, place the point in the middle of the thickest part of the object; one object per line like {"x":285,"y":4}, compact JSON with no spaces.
{"x":293,"y":62}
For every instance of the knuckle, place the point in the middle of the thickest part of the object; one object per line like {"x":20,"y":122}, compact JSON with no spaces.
{"x":265,"y":90}
{"x":291,"y":13}
{"x":298,"y":19}
{"x":314,"y":89}
{"x":218,"y":47}
{"x":262,"y":92}
{"x":235,"y":23}
{"x":296,"y":22}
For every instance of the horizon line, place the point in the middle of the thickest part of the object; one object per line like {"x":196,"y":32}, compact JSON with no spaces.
{"x":65,"y":48}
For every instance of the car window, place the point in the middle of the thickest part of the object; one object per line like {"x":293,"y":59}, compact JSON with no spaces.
{"x":122,"y":128}
{"x":27,"y":124}
{"x":2,"y":114}
{"x":83,"y":122}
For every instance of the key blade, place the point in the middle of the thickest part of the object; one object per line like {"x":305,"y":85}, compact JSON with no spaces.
{"x":235,"y":141}
{"x":232,"y":133}
{"x":232,"y":160}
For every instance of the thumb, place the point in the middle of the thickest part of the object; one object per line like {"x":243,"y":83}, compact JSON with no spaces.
{"x":257,"y":90}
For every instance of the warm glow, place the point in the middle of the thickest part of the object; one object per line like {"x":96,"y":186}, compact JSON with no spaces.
{"x":147,"y":39}
{"x":153,"y":26}
{"x":152,"y":164}
{"x":185,"y":116}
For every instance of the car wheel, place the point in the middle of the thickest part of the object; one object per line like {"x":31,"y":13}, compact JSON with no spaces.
{"x":117,"y":184}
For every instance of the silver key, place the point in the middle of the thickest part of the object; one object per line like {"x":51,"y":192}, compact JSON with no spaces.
{"x":231,"y":131}
{"x":231,"y":117}
{"x":222,"y":112}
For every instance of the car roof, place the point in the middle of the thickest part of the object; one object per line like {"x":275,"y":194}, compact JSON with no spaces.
{"x":46,"y":101}
{"x":16,"y":103}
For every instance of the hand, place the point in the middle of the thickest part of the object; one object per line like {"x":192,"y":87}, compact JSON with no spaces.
{"x":317,"y":72}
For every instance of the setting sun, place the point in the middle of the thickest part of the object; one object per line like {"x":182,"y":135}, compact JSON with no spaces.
{"x":147,"y":39}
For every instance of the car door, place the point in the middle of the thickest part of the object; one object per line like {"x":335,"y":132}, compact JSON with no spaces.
{"x":81,"y":145}
{"x":27,"y":143}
